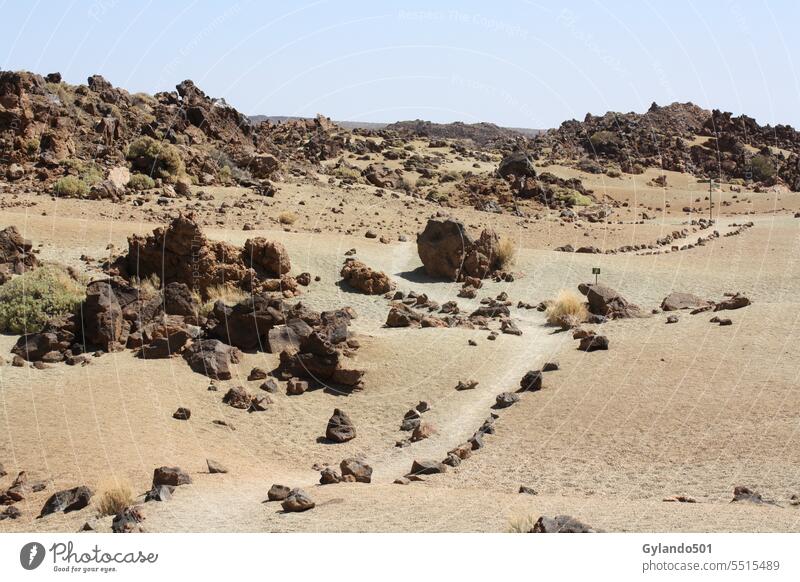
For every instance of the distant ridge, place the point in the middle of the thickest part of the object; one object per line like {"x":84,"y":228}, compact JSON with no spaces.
{"x":417,"y":126}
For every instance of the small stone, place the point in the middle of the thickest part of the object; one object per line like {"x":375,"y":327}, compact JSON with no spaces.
{"x":551,"y":366}
{"x":215,"y":467}
{"x":182,"y":414}
{"x":278,"y":492}
{"x":527,"y":490}
{"x":257,"y":374}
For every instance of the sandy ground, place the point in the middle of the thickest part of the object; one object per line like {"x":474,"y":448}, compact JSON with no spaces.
{"x":685,"y":409}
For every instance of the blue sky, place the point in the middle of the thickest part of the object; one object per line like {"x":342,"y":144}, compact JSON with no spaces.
{"x":516,"y":63}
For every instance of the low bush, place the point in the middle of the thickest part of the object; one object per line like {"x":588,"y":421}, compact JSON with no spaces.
{"x":71,"y":187}
{"x":29,"y":300}
{"x":141,"y":182}
{"x":156,"y":158}
{"x":568,"y":310}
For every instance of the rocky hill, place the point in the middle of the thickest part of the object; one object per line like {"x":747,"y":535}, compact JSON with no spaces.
{"x":680,"y":137}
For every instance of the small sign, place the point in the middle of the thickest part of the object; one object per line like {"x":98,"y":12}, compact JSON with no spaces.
{"x":595,"y":270}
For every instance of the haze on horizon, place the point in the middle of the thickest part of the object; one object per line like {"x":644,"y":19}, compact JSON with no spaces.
{"x":514,"y":63}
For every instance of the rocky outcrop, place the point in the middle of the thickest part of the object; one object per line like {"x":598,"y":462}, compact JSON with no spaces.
{"x":447,"y":250}
{"x":181,"y":253}
{"x":607,"y":302}
{"x":212,"y":358}
{"x":16,"y":254}
{"x":359,"y":276}
{"x":677,"y":301}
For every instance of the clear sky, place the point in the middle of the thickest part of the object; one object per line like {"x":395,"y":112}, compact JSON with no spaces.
{"x":512,"y":62}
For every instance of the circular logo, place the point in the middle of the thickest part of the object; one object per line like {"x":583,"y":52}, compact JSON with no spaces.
{"x":31,"y":555}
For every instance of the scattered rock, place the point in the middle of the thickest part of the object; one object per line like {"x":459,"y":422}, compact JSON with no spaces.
{"x":67,"y":500}
{"x":340,"y":428}
{"x":296,"y":387}
{"x":129,"y":520}
{"x":278,"y":492}
{"x":527,"y":490}
{"x":359,"y":470}
{"x":212,"y":358}
{"x":593,"y":342}
{"x":329,"y":476}
{"x":297,"y":500}
{"x":215,"y":467}
{"x":182,"y":414}
{"x":173,"y":476}
{"x":532,"y":381}
{"x":256,"y":374}
{"x":678,"y":301}
{"x":505,"y":399}
{"x":359,"y":276}
{"x":466,"y":384}
{"x":560,"y":524}
{"x":427,"y":468}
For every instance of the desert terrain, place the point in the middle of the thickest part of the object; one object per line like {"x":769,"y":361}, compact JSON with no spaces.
{"x":654,"y":433}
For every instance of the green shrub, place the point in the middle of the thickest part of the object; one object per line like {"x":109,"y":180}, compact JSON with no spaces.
{"x":572,"y":197}
{"x":29,"y":300}
{"x":32,"y":146}
{"x":346,"y":172}
{"x":71,"y":187}
{"x":92,"y":174}
{"x":762,"y":167}
{"x":141,"y":182}
{"x":156,"y":158}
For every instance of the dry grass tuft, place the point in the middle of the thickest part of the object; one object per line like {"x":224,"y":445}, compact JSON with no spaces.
{"x":148,"y":287}
{"x":506,"y":253}
{"x":568,"y":310}
{"x":226,"y":293}
{"x":521,"y":523}
{"x":287,"y":218}
{"x":114,"y":498}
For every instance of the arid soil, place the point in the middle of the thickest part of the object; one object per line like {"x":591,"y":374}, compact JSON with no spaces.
{"x":654,"y":433}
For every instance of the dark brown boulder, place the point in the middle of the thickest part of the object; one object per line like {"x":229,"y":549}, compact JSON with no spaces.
{"x":173,"y":476}
{"x":607,"y":302}
{"x":677,"y":301}
{"x":427,"y":468}
{"x":518,"y":164}
{"x":212,"y":358}
{"x":268,"y":256}
{"x":298,"y":500}
{"x":101,"y":313}
{"x":67,"y":500}
{"x":16,"y":254}
{"x":178,"y":299}
{"x":340,"y":428}
{"x":593,"y":342}
{"x":246,"y":324}
{"x":736,"y":301}
{"x":442,"y":247}
{"x":356,"y":469}
{"x":560,"y":524}
{"x":238,"y":397}
{"x":359,"y":276}
{"x":278,"y":492}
